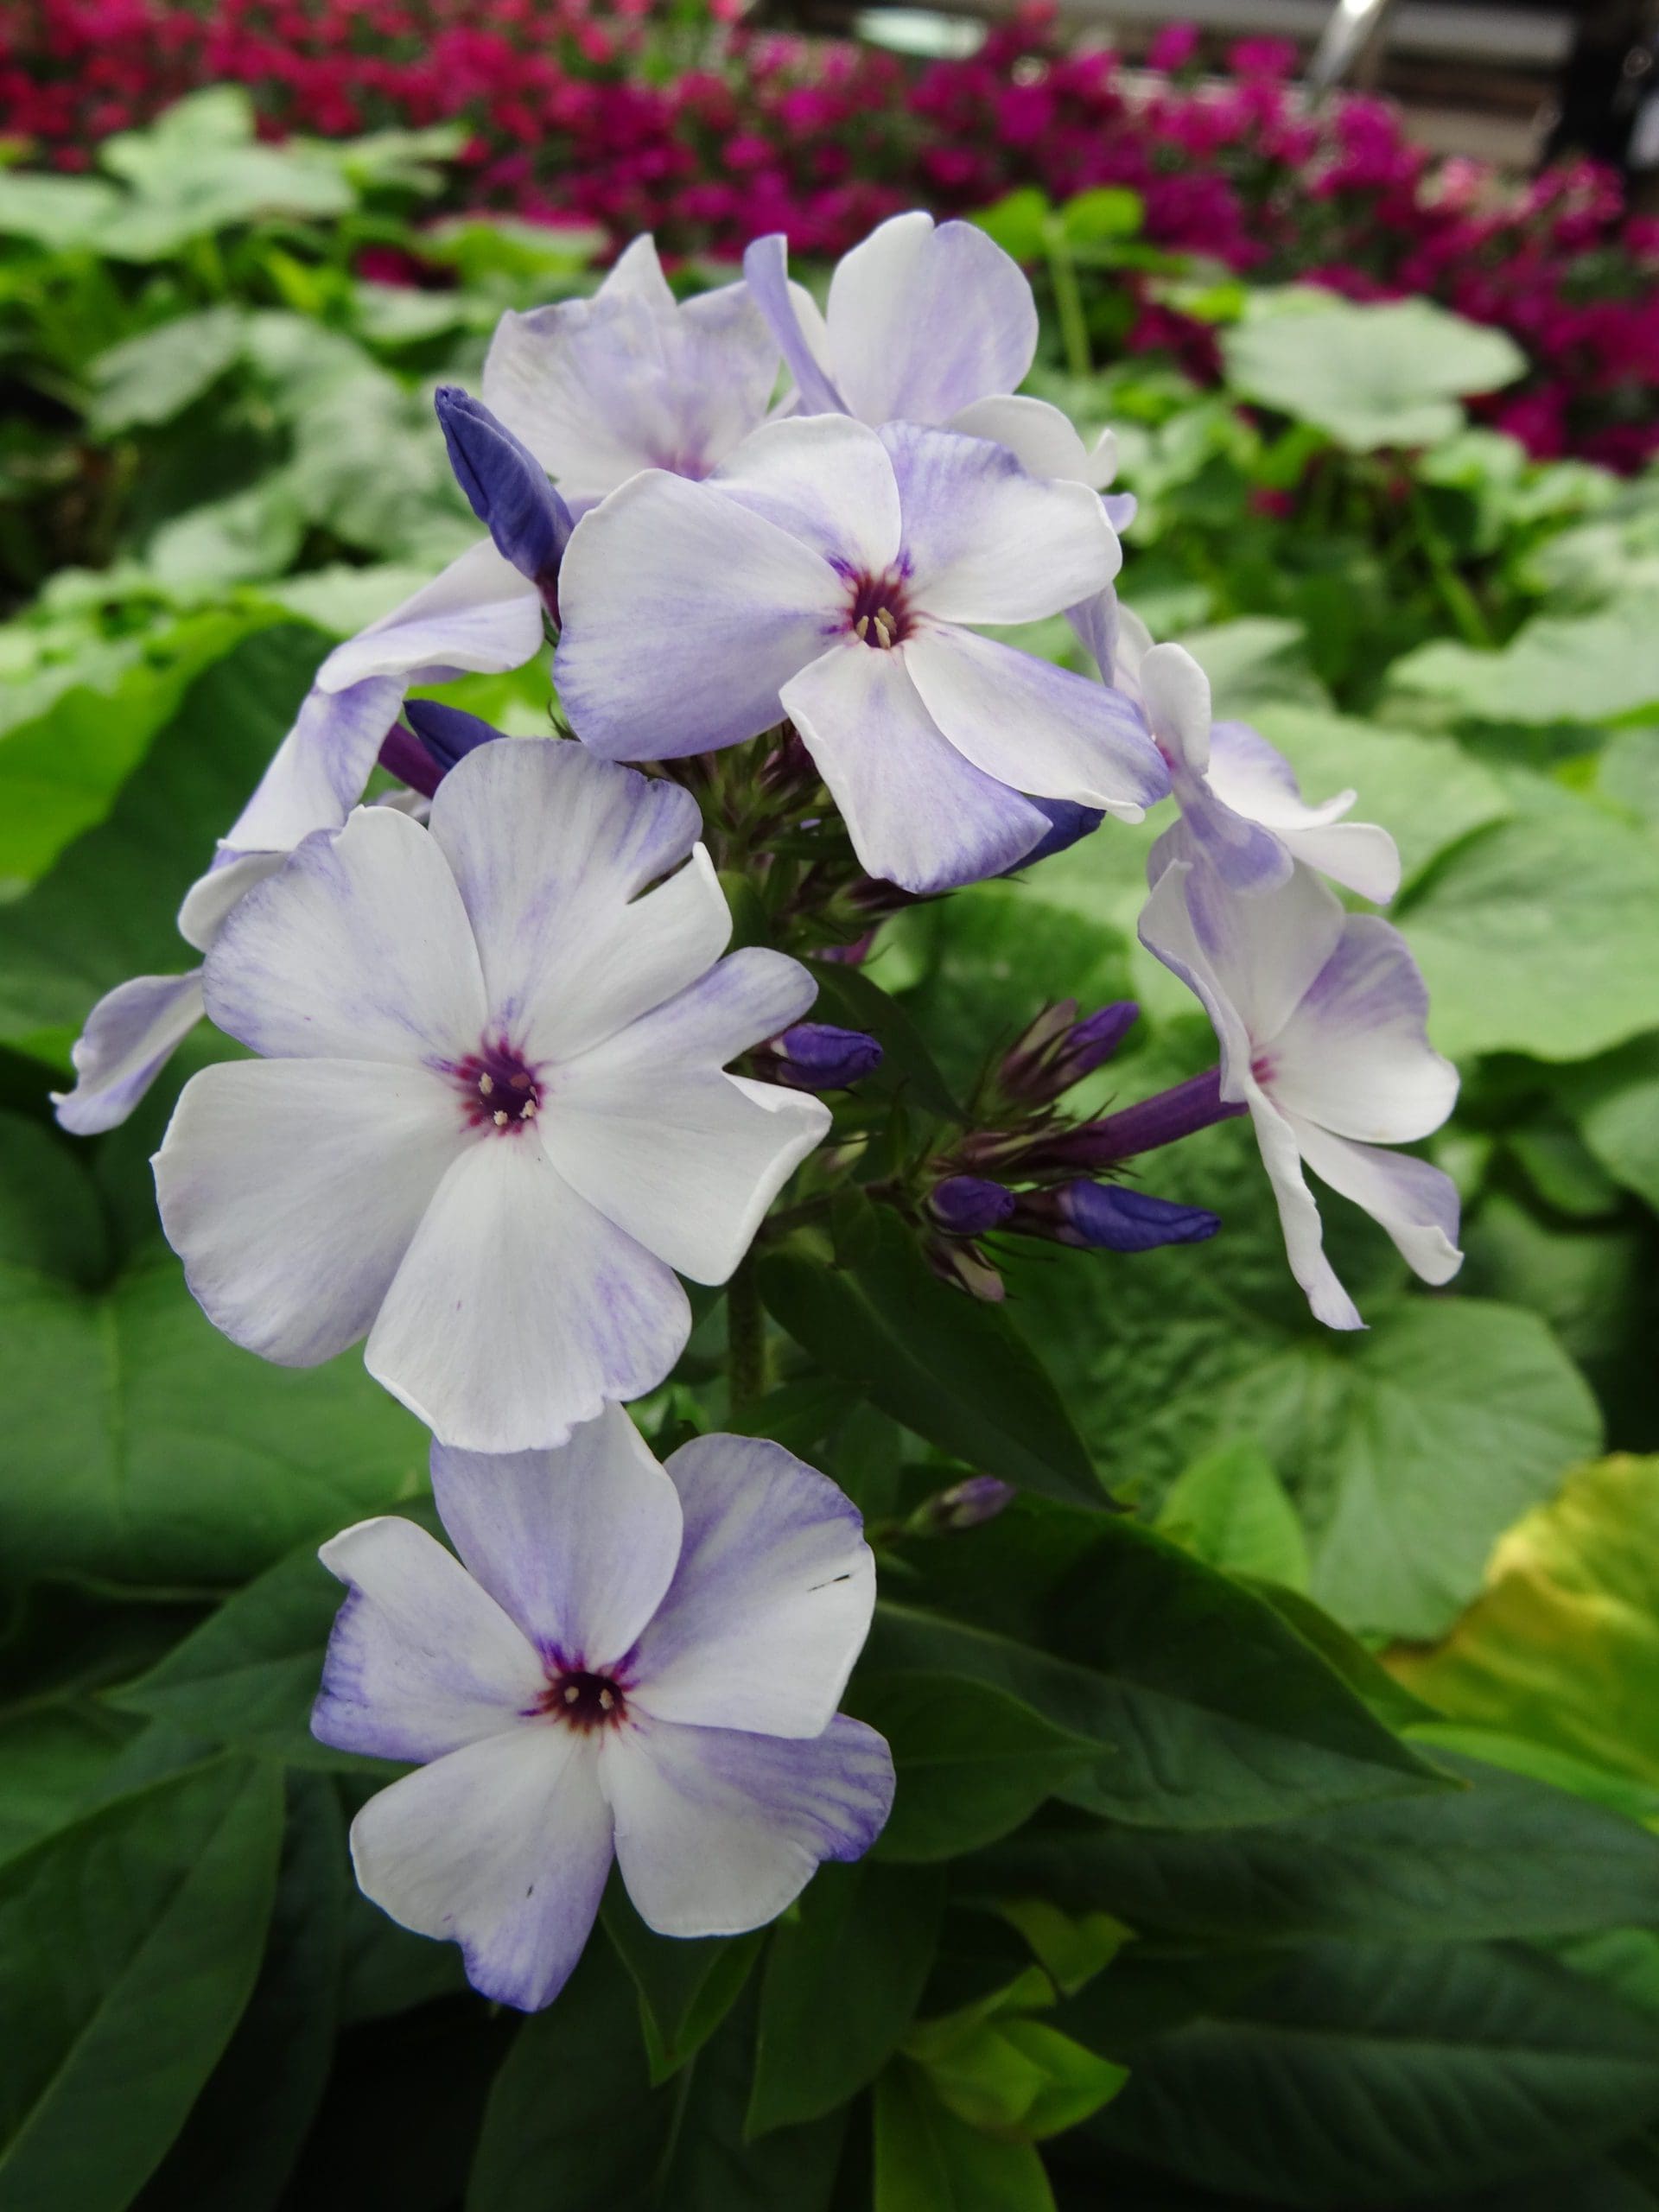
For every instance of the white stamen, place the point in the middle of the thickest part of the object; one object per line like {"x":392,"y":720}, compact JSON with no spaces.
{"x":527,"y":1111}
{"x":486,"y":1084}
{"x":571,"y":1694}
{"x":606,"y":1700}
{"x":499,"y":1117}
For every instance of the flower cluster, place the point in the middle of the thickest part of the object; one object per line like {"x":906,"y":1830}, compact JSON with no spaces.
{"x":508,"y":1085}
{"x":821,"y":141}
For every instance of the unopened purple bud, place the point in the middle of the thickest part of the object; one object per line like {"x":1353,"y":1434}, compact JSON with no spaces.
{"x":1112,"y":1216}
{"x":969,"y":1205}
{"x":817,"y":1056}
{"x":1059,"y":1050}
{"x":1166,"y":1118}
{"x":506,"y":488}
{"x":964,"y":1267}
{"x":403,"y":755}
{"x":967,"y":1504}
{"x":448,"y":733}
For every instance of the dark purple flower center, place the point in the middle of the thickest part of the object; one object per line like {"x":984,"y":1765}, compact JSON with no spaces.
{"x":499,"y":1089}
{"x":585,"y":1702}
{"x":878,"y":612}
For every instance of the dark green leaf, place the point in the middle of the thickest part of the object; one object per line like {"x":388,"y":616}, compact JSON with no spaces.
{"x":1505,"y":1857}
{"x":842,"y":1979}
{"x":972,"y":1761}
{"x":1431,"y":2069}
{"x":955,"y":1370}
{"x":686,"y":1986}
{"x":241,"y":2141}
{"x":128,"y":1944}
{"x":1210,"y":1709}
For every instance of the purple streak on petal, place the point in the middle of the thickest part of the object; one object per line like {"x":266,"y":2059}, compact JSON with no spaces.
{"x":131,"y":1035}
{"x":1095,"y":621}
{"x":318,"y":771}
{"x":765,"y":272}
{"x":817,"y":1056}
{"x":1110,"y":1217}
{"x":1163,"y":1119}
{"x":969,"y":1205}
{"x":507,"y":487}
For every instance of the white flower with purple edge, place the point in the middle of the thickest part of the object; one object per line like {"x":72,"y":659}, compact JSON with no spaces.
{"x":925,"y":324}
{"x":625,"y":1661}
{"x":828,"y":574}
{"x":492,"y":1118}
{"x":1321,"y":1016}
{"x":1242,"y":809}
{"x":631,"y":378}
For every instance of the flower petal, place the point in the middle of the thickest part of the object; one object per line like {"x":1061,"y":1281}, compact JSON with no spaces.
{"x":1264,"y":948}
{"x":317,"y":774}
{"x":772,"y":1600}
{"x":358,"y":949}
{"x":1410,"y":1197}
{"x":131,"y":1035}
{"x":718,"y":1831}
{"x":291,"y":1188}
{"x":827,"y":481}
{"x":210,"y":897}
{"x":736,"y":606}
{"x":503,"y":1847}
{"x":1166,"y":930}
{"x":518,"y":1309}
{"x":1250,"y":775}
{"x":765,"y":272}
{"x":551,"y":850}
{"x":420,"y":1660}
{"x":478,"y":614}
{"x":578,"y":1544}
{"x":918,"y":814}
{"x":1176,"y":693}
{"x":923,"y":321}
{"x":985,"y":542}
{"x":600,"y":389}
{"x":684,"y":1158}
{"x":1041,"y":438}
{"x":1035,"y":727}
{"x":1299,"y":1216}
{"x":1355,"y":1056}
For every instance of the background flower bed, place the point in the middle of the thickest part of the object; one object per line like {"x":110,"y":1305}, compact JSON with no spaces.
{"x":222,"y":457}
{"x":639,"y":118}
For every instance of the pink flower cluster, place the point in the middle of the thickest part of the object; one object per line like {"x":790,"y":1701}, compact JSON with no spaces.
{"x":585,"y":110}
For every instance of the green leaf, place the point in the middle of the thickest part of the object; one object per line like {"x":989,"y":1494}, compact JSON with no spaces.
{"x":955,"y":1370}
{"x":844,"y":1976}
{"x":1437,"y":2068}
{"x":128,"y":1944}
{"x":155,"y":376}
{"x":61,"y":213}
{"x":245,"y":2132}
{"x":1562,"y":1646}
{"x":1503,"y":1856}
{"x":1560,"y":668}
{"x":1409,"y":1447}
{"x":53,"y":1758}
{"x":686,"y":1986}
{"x":573,"y":2124}
{"x":1616,"y":1104}
{"x":107,"y":909}
{"x":1426,"y":792}
{"x":1210,"y":1710}
{"x":1388,"y":375}
{"x":972,"y":1761}
{"x":1018,"y":222}
{"x":927,"y":2160}
{"x":1230,"y":1508}
{"x":1021,"y":2077}
{"x":1533,"y":936}
{"x":146,"y":1449}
